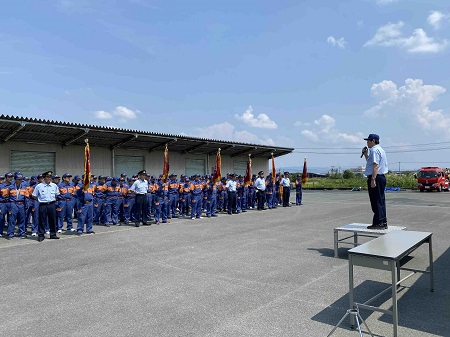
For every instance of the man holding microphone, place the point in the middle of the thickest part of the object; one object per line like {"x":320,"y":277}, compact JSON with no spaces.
{"x":376,"y":168}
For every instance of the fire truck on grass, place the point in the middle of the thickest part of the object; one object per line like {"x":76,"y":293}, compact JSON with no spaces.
{"x":432,"y":178}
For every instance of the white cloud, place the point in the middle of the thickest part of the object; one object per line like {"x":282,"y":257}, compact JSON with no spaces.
{"x":300,"y":123}
{"x":122,"y":113}
{"x":262,"y":121}
{"x":385,"y":2}
{"x":412,"y":99}
{"x":226,"y":131}
{"x":436,"y":18}
{"x":310,"y":135}
{"x":334,"y":42}
{"x":324,"y":129}
{"x":325,"y":123}
{"x":356,"y":139}
{"x":391,"y":35}
{"x":103,"y":114}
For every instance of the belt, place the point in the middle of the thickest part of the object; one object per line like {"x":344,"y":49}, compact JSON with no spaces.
{"x":87,"y":202}
{"x":130,"y":196}
{"x":139,"y":194}
{"x":4,"y":201}
{"x":47,"y":203}
{"x":112,"y":196}
{"x":18,"y":202}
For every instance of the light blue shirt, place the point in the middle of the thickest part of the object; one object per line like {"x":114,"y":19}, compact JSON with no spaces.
{"x":260,"y":184}
{"x":46,"y":192}
{"x":286,"y":182}
{"x":231,"y":185}
{"x":376,"y":156}
{"x":140,"y":186}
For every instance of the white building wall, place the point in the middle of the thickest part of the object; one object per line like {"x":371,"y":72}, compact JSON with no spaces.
{"x":70,"y":159}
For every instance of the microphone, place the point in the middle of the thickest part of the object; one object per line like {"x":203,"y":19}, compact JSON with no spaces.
{"x":364,"y":150}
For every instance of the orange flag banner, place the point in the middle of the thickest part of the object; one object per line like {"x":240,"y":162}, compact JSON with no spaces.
{"x":166,"y":164}
{"x":305,"y":173}
{"x":218,"y":169}
{"x":248,"y":172}
{"x":274,"y":171}
{"x":87,"y":166}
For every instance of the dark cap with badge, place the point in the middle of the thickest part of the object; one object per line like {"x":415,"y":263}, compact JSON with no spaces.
{"x":66,"y":175}
{"x":143,"y":172}
{"x":372,"y":136}
{"x":47,"y":174}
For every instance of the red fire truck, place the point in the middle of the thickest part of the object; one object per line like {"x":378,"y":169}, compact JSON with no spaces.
{"x":432,"y":178}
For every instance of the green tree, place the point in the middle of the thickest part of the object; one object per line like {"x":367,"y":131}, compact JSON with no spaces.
{"x":348,"y":174}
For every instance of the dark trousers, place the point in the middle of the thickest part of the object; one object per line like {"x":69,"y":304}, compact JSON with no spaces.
{"x":47,"y":212}
{"x":140,"y":208}
{"x":286,"y":196}
{"x":377,"y":199}
{"x":231,"y":202}
{"x":261,"y":195}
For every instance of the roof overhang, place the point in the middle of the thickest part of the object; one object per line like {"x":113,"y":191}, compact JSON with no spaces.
{"x":39,"y":131}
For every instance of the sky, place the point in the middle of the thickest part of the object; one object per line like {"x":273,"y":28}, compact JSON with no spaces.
{"x":314,"y":75}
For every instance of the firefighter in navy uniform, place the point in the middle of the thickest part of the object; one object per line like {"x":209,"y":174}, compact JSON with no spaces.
{"x":99,"y":201}
{"x":4,"y":200}
{"x":85,"y":200}
{"x":173,"y":186}
{"x":18,"y":195}
{"x":112,"y":194}
{"x":298,"y":190}
{"x":64,"y":207}
{"x":185,"y":196}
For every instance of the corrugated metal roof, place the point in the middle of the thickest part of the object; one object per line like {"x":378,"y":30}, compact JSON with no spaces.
{"x":22,"y":129}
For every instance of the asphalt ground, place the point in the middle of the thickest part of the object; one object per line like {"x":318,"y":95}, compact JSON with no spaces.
{"x":260,"y":273}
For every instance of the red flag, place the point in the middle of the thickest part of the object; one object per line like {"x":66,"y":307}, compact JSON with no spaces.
{"x":218,"y":169}
{"x":87,"y":166}
{"x":274,"y":171}
{"x":305,"y":173}
{"x":248,"y":172}
{"x":166,"y":165}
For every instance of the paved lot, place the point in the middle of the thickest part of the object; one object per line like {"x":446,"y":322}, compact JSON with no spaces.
{"x":269,"y":273}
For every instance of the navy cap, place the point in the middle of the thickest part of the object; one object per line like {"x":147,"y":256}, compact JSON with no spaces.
{"x":40,"y":176}
{"x":67,"y":175}
{"x":77,"y":177}
{"x":18,"y":175}
{"x":2,"y":177}
{"x":55,"y":176}
{"x":142,"y":172}
{"x":115,"y":179}
{"x":9,"y":174}
{"x":134,"y":176}
{"x":372,"y":136}
{"x":47,"y":174}
{"x":123,"y":174}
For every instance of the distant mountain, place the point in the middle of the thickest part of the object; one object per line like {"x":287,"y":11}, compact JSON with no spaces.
{"x":294,"y":169}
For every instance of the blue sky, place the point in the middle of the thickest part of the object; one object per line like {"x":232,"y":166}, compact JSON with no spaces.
{"x":318,"y":75}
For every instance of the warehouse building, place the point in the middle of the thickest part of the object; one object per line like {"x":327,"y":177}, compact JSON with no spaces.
{"x":33,"y":146}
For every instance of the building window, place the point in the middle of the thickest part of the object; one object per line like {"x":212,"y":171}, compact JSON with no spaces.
{"x":32,"y":162}
{"x":128,"y":164}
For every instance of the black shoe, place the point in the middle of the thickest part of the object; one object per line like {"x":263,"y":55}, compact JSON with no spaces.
{"x":8,"y":237}
{"x":41,"y":238}
{"x":107,"y":225}
{"x":54,"y":237}
{"x":378,"y":227}
{"x":136,"y":225}
{"x":90,"y":232}
{"x":214,"y":215}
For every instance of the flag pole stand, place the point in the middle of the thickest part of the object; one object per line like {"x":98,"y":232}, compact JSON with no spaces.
{"x":356,"y":317}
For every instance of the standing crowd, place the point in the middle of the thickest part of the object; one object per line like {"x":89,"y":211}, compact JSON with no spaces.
{"x":48,"y":203}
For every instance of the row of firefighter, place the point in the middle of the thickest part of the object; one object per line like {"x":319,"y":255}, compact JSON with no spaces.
{"x":113,"y":201}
